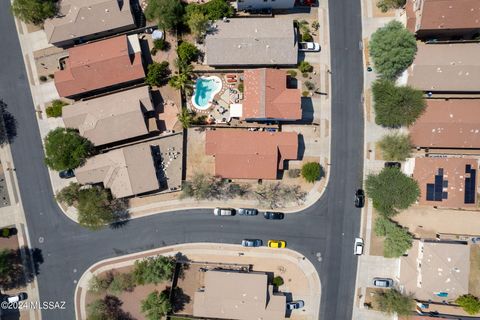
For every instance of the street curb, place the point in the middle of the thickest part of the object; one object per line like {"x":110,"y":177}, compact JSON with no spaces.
{"x":80,"y":289}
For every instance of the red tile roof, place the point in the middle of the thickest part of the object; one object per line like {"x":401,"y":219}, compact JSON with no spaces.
{"x":267,"y":96}
{"x":246,"y":154}
{"x":98,"y":65}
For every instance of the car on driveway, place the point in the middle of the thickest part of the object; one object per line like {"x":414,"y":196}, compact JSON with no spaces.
{"x":277,"y":244}
{"x":224,"y":212}
{"x":308,"y":46}
{"x":358,"y":248}
{"x":66,"y":174}
{"x":247,"y":212}
{"x":390,"y":164}
{"x":295,"y":305}
{"x":271,"y":215}
{"x":252,"y":242}
{"x":19,"y":297}
{"x":359,"y":198}
{"x":383,"y":282}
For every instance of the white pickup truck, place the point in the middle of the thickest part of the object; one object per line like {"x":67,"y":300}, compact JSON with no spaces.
{"x":308,"y":46}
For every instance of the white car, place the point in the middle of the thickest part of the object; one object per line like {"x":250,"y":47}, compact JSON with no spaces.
{"x":308,"y":46}
{"x":358,"y":249}
{"x":224,"y":212}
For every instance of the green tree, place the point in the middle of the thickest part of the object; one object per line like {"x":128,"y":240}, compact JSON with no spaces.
{"x":397,"y":239}
{"x":34,"y":11}
{"x":277,"y":195}
{"x":153,"y":270}
{"x":312,"y":171}
{"x":305,"y":67}
{"x":156,"y":305}
{"x":122,"y":282}
{"x":391,"y":190}
{"x":168,"y":13}
{"x":69,"y":194}
{"x":94,"y":208}
{"x":187,"y":52}
{"x":198,"y":24}
{"x":161,"y":44}
{"x":469,"y":303}
{"x":213,"y":10}
{"x":55,"y":109}
{"x":108,"y":308}
{"x":4,"y":263}
{"x":66,"y":149}
{"x":392,"y":49}
{"x":183,"y":66}
{"x":181,"y":82}
{"x":277,"y":281}
{"x":396,"y":106}
{"x":395,"y":147}
{"x":392,"y":301}
{"x":385,"y":5}
{"x":157,"y":73}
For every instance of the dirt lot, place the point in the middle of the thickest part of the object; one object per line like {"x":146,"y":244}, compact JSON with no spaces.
{"x":197,"y":160}
{"x":425,"y":221}
{"x":474,"y":281}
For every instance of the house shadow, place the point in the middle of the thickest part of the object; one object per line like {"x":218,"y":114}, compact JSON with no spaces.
{"x":301,"y":147}
{"x":308,"y":113}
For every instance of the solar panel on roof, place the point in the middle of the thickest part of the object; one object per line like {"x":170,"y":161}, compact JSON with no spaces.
{"x":470,"y":184}
{"x":430,"y":190}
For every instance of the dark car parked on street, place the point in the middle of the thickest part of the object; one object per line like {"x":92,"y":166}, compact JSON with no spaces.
{"x":270,"y":215}
{"x":66,"y":174}
{"x":252,"y":243}
{"x":359,"y":198}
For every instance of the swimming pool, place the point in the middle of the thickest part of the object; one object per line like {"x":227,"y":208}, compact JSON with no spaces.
{"x":205,"y":89}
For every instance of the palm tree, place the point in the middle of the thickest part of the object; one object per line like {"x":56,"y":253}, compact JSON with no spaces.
{"x":183,"y":66}
{"x":185,"y":117}
{"x":182,"y":82}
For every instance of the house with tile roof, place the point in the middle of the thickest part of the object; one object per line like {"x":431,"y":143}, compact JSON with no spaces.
{"x":113,"y":118}
{"x":100,"y":67}
{"x":267,"y":97}
{"x":243,"y":154}
{"x":79,"y":21}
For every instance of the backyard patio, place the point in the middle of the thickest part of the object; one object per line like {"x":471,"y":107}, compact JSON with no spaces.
{"x":217,"y":97}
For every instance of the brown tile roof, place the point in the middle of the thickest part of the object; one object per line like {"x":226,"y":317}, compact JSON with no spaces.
{"x":411,"y":16}
{"x":110,"y":118}
{"x":433,"y":267}
{"x":456,"y":184}
{"x":99,"y":65}
{"x":449,"y":14}
{"x":446,"y":68}
{"x":126,"y":172}
{"x":452,"y":123}
{"x":246,"y":154}
{"x":241,"y":296}
{"x":80,"y":18}
{"x":267,"y":96}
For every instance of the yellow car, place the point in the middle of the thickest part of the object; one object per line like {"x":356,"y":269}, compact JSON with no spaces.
{"x":276,"y":244}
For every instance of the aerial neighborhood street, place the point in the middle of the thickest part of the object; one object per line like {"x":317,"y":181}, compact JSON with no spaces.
{"x":247,"y":159}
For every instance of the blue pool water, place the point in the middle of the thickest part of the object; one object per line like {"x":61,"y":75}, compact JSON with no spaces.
{"x":205,"y":90}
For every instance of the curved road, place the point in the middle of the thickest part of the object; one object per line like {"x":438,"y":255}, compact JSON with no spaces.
{"x":328,"y":227}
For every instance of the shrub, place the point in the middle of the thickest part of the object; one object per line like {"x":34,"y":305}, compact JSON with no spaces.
{"x":305,"y":93}
{"x":392,"y":301}
{"x":153,"y":51}
{"x":307,"y":37}
{"x":69,"y":194}
{"x":312,"y":171}
{"x":240,"y":87}
{"x":122,"y":282}
{"x":305,"y":67}
{"x":305,"y":75}
{"x":94,"y":209}
{"x":315,"y":25}
{"x":42,"y":78}
{"x":469,"y":303}
{"x":108,"y":308}
{"x":309,"y":85}
{"x":292,"y":73}
{"x":395,"y":147}
{"x":157,"y":73}
{"x":55,"y":110}
{"x":161,"y":44}
{"x":198,"y":24}
{"x":5,"y":232}
{"x":213,"y":10}
{"x":66,"y":149}
{"x":156,"y":305}
{"x":392,"y":49}
{"x":294,"y":173}
{"x":391,"y":190}
{"x":100,"y":284}
{"x":51,"y":76}
{"x":385,"y":5}
{"x":187,"y":52}
{"x":277,"y":281}
{"x":153,"y":270}
{"x":396,"y":106}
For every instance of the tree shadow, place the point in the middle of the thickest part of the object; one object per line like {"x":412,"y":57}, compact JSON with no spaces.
{"x":122,"y":216}
{"x":8,"y":125}
{"x":23,"y":266}
{"x":179,"y":300}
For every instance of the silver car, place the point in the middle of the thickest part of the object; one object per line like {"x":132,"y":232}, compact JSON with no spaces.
{"x":383,"y":282}
{"x":224,"y":212}
{"x":252,"y":243}
{"x":295,"y":305}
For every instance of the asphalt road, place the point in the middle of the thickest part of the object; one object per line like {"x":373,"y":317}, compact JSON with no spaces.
{"x":327,"y":229}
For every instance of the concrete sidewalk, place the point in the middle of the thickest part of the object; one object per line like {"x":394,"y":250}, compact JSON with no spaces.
{"x":303,"y":282}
